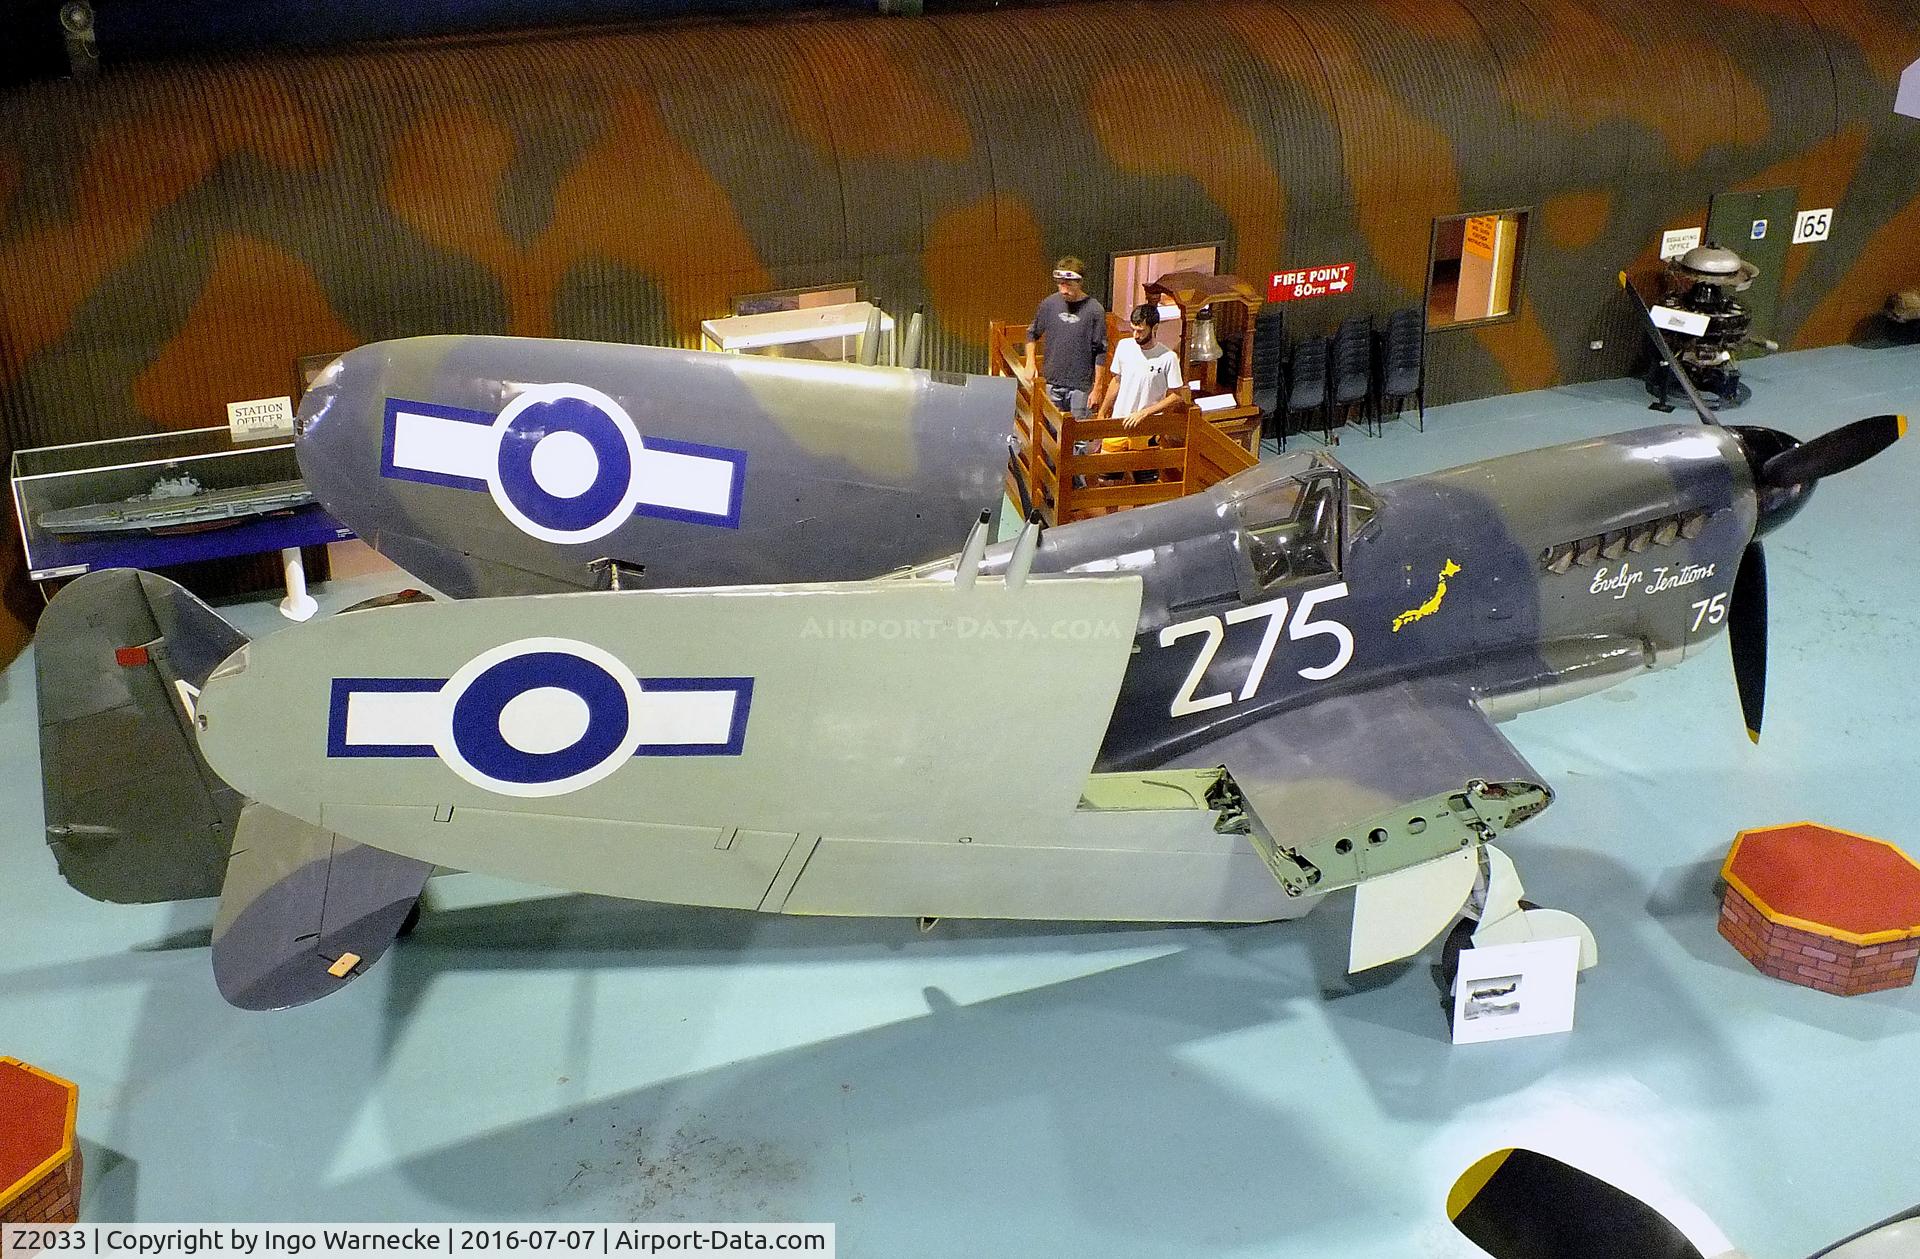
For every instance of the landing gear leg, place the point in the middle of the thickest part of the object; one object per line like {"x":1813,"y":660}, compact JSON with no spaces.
{"x":1496,"y":913}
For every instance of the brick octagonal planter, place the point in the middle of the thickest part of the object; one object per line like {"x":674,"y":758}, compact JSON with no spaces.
{"x":1823,"y":907}
{"x":39,"y":1161}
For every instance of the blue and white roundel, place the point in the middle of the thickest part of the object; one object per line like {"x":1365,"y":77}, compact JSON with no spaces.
{"x":563,"y":462}
{"x":565,"y":468}
{"x":538,"y":717}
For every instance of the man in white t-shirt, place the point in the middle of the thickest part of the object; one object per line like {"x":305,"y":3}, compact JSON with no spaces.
{"x":1147,"y":380}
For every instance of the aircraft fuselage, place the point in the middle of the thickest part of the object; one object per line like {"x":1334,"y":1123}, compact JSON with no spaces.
{"x":1536,"y":577}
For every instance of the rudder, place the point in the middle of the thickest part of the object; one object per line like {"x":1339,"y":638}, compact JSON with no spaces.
{"x":134,"y":814}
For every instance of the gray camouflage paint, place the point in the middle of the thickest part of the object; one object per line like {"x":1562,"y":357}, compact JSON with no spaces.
{"x":849,"y":470}
{"x":133,"y":813}
{"x":1407,"y":717}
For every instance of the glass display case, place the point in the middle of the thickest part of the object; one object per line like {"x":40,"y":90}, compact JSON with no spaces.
{"x":161,"y":499}
{"x":822,"y":333}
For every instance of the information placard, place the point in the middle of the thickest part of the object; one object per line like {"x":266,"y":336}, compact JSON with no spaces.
{"x":1509,"y":990}
{"x":1675,"y":243}
{"x":1812,"y":225}
{"x":260,"y":418}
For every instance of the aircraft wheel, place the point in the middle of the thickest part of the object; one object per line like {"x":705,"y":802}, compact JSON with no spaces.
{"x":411,"y":921}
{"x":1457,"y":940}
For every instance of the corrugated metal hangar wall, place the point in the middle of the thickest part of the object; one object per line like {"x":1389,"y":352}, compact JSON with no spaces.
{"x":174,"y":236}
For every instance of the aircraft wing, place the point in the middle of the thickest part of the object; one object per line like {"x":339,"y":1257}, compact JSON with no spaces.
{"x":506,"y":465}
{"x":1392,"y":789}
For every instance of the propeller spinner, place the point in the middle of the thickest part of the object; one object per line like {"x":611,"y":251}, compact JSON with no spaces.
{"x":1785,"y":470}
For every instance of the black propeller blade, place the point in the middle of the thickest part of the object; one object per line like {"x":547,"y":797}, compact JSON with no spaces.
{"x":1833,"y":452}
{"x":1521,"y":1204}
{"x":1784,"y":472}
{"x":1747,"y":635}
{"x":1666,"y":354}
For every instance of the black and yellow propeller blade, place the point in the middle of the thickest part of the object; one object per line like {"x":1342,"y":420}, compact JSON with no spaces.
{"x":1700,"y":406}
{"x":1835,"y":452}
{"x":1747,"y":635}
{"x":1521,"y":1204}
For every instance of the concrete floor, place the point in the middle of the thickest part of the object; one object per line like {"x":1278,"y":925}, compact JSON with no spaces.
{"x":1025,"y":1089}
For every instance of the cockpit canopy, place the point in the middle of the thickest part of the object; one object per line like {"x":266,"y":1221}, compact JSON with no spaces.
{"x":1293,"y":516}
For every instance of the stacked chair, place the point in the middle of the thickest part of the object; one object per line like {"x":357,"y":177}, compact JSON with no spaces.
{"x":1269,"y":354}
{"x":1352,"y":374}
{"x":1403,"y":366}
{"x":1307,"y":390}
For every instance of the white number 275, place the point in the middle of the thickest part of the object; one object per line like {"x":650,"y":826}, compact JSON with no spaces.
{"x":1274,"y":612}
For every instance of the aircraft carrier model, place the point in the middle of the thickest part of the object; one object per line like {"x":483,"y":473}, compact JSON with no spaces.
{"x":178,"y":504}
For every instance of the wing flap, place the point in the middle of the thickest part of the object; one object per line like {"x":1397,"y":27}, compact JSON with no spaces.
{"x":1392,"y":789}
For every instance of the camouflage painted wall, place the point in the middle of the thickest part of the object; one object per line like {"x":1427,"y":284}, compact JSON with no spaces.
{"x":172,"y":237}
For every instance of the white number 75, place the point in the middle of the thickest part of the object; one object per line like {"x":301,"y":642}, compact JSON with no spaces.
{"x":1712,"y":611}
{"x":1274,"y":611}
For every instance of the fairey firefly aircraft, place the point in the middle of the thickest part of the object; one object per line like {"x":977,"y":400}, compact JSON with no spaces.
{"x":1215,"y":709}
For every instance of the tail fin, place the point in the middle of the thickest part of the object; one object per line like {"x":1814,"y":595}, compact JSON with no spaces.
{"x":134,"y":815}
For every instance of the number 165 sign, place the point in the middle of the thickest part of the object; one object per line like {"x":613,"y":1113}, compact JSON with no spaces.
{"x":1812,"y":225}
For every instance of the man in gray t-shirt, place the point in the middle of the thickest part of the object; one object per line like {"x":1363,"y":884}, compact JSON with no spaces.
{"x":1073,"y":329}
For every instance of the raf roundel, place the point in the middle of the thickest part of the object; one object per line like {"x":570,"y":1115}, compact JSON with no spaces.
{"x":507,"y":703}
{"x":567,"y":455}
{"x":563,"y":462}
{"x":538,"y":717}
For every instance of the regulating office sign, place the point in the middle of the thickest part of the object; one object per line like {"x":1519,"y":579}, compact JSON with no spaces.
{"x":1287,"y":286}
{"x":1675,"y":243}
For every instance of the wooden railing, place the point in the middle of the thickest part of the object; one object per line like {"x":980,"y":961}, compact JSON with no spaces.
{"x":1058,"y":465}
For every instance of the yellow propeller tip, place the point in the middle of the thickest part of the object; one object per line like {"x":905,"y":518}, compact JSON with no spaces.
{"x":1753,"y":735}
{"x":1900,"y":425}
{"x":1623,"y":279}
{"x":1472,"y":1181}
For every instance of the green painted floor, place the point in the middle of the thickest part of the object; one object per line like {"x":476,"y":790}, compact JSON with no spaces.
{"x":1025,"y":1090}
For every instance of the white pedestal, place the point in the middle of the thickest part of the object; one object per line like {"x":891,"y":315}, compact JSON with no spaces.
{"x":298,"y":605}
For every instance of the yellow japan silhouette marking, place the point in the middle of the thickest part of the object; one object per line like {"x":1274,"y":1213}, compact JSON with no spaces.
{"x":1432,"y":605}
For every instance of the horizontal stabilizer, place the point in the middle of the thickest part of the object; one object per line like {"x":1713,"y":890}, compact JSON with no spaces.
{"x":304,"y":911}
{"x":133,"y":813}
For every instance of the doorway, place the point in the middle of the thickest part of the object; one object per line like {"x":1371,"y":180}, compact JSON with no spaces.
{"x":1759,"y":227}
